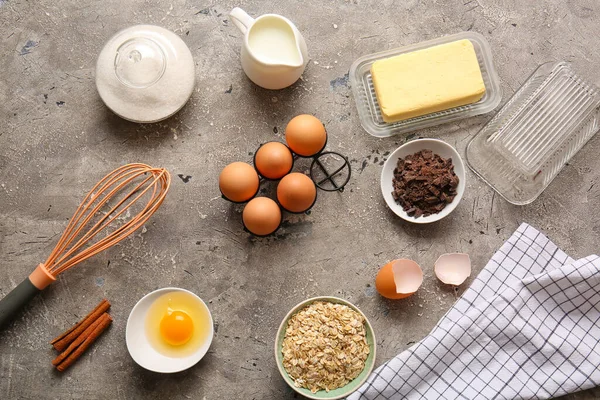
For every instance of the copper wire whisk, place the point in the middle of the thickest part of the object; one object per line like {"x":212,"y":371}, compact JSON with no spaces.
{"x":92,"y":230}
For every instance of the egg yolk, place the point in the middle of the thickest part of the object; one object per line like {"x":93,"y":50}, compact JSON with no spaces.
{"x":176,"y":328}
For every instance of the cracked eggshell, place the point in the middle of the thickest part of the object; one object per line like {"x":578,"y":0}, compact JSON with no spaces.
{"x":399,"y":279}
{"x":453,"y":268}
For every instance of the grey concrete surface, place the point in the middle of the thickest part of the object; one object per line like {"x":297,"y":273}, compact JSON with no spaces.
{"x":57,"y":139}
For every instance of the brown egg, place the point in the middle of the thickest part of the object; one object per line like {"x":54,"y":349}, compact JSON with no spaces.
{"x":399,"y":279}
{"x":305,"y":135}
{"x":296,"y":192}
{"x":238,"y":182}
{"x":273,"y":160}
{"x":261,"y":216}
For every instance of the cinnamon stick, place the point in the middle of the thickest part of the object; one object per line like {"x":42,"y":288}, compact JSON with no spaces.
{"x":80,"y":339}
{"x":61,"y":342}
{"x":86,"y":341}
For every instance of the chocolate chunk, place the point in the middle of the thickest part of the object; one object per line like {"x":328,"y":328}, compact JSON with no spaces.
{"x":434,"y":190}
{"x":424,"y":183}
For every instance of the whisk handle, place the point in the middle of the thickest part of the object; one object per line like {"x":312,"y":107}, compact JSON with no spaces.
{"x":14,"y":301}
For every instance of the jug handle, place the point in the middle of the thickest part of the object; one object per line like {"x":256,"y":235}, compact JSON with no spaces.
{"x":241,"y":19}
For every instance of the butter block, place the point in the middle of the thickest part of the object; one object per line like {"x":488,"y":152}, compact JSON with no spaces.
{"x":429,"y":80}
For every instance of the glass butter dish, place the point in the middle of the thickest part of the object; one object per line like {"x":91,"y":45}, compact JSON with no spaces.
{"x":522,"y":149}
{"x":366,"y":101}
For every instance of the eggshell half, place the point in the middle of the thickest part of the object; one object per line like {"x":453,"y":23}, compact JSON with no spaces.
{"x":399,"y":279}
{"x":453,"y":268}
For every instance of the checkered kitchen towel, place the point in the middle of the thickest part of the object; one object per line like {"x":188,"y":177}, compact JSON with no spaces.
{"x":527,"y":328}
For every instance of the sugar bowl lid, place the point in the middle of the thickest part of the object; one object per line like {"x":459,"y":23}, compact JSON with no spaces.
{"x":145,"y":73}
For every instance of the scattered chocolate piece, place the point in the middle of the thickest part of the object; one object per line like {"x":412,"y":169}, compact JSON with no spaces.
{"x":424,"y":183}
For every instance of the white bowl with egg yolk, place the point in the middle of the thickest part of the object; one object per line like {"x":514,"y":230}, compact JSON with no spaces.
{"x":141,"y":343}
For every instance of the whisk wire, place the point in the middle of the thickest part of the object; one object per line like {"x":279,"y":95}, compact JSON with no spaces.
{"x":116,"y":236}
{"x":89,"y":199}
{"x":98,"y":225}
{"x":63,"y":256}
{"x":111,"y":239}
{"x":74,"y":226}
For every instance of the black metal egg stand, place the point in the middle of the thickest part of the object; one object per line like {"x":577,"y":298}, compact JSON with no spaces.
{"x":328,"y":177}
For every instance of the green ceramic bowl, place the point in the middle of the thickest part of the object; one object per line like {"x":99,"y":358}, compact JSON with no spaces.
{"x":339,"y":393}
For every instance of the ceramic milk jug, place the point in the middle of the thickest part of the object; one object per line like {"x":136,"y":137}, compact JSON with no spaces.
{"x":274,"y":53}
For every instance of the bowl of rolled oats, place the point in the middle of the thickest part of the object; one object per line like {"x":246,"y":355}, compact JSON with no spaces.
{"x":325,"y":348}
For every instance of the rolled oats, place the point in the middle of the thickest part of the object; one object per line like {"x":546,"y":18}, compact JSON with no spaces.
{"x":325,"y":346}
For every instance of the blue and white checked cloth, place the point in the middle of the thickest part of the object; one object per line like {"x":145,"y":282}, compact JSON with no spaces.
{"x":527,"y":328}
